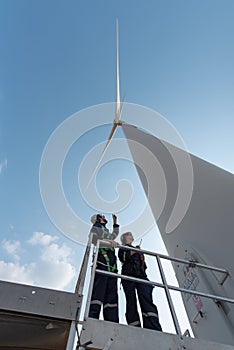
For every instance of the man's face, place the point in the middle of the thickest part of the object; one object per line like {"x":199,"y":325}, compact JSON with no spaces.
{"x":102,"y":219}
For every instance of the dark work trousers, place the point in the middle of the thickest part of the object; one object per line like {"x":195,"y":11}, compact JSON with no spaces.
{"x":105,"y":292}
{"x":148,"y":309}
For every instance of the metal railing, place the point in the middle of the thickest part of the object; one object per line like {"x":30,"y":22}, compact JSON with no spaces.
{"x":164,"y":283}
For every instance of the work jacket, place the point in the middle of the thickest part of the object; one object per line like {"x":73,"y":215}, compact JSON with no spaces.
{"x":106,"y":254}
{"x":100,"y":231}
{"x":132,"y":265}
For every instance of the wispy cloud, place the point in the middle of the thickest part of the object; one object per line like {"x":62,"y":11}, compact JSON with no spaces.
{"x":52,"y":269}
{"x":3,"y":165}
{"x":12,"y":248}
{"x":61,"y":271}
{"x":15,"y":272}
{"x":41,"y":238}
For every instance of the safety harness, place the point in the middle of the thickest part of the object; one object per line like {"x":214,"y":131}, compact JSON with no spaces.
{"x":106,"y":235}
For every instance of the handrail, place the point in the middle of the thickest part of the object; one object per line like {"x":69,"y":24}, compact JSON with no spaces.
{"x":157,"y":284}
{"x":164,"y":285}
{"x":191,"y":263}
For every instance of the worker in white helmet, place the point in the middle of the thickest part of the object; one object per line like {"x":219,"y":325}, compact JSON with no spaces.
{"x":105,"y":287}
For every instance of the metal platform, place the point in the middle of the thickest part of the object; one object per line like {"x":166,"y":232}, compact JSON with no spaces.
{"x":35,"y":318}
{"x":103,"y":335}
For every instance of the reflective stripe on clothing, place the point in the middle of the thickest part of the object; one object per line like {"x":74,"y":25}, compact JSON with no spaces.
{"x":110,"y":305}
{"x":98,"y":302}
{"x":149,"y":310}
{"x":104,"y":293}
{"x":149,"y":314}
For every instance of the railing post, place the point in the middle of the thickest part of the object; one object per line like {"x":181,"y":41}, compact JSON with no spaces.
{"x":91,"y":281}
{"x":79,"y":290}
{"x":224,"y":278}
{"x":168,"y":295}
{"x":81,"y":279}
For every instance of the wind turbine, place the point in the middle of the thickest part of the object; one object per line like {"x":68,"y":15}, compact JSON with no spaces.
{"x":118,"y":107}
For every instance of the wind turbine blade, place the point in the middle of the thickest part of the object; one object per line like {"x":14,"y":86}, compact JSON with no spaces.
{"x":118,"y":106}
{"x":103,"y":152}
{"x":121,"y":107}
{"x":117,"y":109}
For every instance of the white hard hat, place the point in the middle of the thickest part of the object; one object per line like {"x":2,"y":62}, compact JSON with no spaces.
{"x":93,"y":218}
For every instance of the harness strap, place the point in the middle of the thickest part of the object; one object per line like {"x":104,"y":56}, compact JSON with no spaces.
{"x":103,"y":250}
{"x":106,"y":257}
{"x":106,"y":235}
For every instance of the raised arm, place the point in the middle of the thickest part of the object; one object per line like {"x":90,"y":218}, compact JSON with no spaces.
{"x":115,"y":231}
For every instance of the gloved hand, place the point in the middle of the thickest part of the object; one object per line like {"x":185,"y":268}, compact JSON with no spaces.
{"x":114,"y":217}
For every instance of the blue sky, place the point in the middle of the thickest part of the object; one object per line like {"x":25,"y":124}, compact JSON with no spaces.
{"x":58,"y":58}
